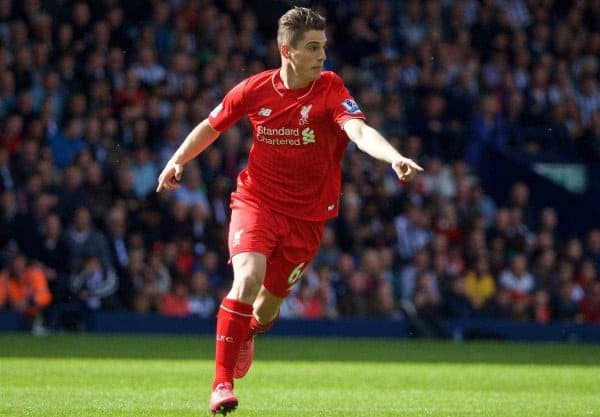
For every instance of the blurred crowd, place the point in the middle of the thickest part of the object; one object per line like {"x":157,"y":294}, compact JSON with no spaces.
{"x":95,"y":96}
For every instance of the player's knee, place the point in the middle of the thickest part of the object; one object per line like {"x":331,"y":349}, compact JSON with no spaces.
{"x":249,"y":273}
{"x":246,"y":286}
{"x":251,"y":280}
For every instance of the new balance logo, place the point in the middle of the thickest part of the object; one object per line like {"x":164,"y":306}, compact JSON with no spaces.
{"x":264,"y":111}
{"x":308,"y":136}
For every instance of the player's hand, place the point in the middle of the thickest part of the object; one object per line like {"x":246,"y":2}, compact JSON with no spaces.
{"x":170,"y":176}
{"x":406,"y":168}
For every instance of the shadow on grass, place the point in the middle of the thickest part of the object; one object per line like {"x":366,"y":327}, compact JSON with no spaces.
{"x":300,"y":349}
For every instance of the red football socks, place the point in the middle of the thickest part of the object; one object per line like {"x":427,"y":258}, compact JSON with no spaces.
{"x":233,"y":322}
{"x":256,"y":327}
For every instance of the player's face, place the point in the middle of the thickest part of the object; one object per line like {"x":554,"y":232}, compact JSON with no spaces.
{"x":308,"y":56}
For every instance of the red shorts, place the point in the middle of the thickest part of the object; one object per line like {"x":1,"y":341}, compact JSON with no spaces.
{"x":288,"y":243}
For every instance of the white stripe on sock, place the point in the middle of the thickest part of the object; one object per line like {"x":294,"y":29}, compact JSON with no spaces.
{"x":235,"y":312}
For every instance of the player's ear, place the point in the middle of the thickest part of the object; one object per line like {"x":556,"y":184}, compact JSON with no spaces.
{"x":285,"y":51}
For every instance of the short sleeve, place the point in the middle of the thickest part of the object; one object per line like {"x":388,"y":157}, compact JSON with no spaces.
{"x":230,"y":109}
{"x":343,"y":104}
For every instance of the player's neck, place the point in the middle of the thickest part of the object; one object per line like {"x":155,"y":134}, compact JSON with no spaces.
{"x":290,"y":78}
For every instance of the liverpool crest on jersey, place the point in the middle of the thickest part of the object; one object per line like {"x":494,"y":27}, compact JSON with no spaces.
{"x":304,"y":114}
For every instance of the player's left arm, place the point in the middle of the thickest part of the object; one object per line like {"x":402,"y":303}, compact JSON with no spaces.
{"x":371,"y":142}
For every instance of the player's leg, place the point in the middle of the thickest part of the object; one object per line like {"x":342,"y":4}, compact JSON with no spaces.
{"x":249,"y":269}
{"x":252,"y":236}
{"x":235,"y":312}
{"x":285,"y":267}
{"x":266,"y":311}
{"x":233,"y":323}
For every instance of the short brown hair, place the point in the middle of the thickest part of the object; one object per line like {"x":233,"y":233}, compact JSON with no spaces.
{"x":295,"y":22}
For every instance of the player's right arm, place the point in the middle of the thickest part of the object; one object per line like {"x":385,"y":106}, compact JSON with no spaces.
{"x":195,"y":142}
{"x":229,"y":111}
{"x":351,"y":120}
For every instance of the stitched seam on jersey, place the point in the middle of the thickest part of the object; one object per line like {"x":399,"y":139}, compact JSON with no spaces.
{"x":310,"y":89}
{"x":281,"y":94}
{"x":273,"y":84}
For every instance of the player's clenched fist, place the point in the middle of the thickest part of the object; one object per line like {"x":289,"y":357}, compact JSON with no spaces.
{"x":170,"y":176}
{"x":406,"y":168}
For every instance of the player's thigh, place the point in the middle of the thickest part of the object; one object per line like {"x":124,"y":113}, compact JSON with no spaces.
{"x":252,"y":239}
{"x":288,"y":261}
{"x":252,"y":229}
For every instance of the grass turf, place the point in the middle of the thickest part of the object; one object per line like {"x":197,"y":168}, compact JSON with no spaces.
{"x":170,"y":376}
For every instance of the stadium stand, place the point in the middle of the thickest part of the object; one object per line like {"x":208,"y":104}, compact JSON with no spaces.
{"x":96,"y":95}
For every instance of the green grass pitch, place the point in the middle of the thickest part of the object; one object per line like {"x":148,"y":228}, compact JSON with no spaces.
{"x":170,"y":376}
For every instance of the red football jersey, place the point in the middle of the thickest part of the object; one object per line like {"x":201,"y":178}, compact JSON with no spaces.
{"x":294,"y":166}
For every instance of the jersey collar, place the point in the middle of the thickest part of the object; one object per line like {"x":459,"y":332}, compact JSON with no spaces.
{"x":280,"y":89}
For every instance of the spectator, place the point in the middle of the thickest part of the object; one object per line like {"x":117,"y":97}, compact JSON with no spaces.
{"x":573,"y":251}
{"x":353,"y":303}
{"x":385,"y":304}
{"x":502,"y":307}
{"x":29,"y":223}
{"x":426,"y":302}
{"x":412,"y":231}
{"x":479,"y":285}
{"x":72,"y":193}
{"x":308,"y":302}
{"x":8,"y":213}
{"x":329,"y":252}
{"x":66,"y":143}
{"x":586,"y":275}
{"x":482,"y":204}
{"x":201,"y":303}
{"x":176,"y":303}
{"x":517,"y":280}
{"x":147,"y":69}
{"x":519,"y":198}
{"x":593,"y":246}
{"x":540,"y":308}
{"x":564,"y":307}
{"x":489,"y":129}
{"x":327,"y":291}
{"x":84,"y":240}
{"x":157,"y":272}
{"x":52,"y":251}
{"x":458,"y":305}
{"x":590,"y":305}
{"x":144,"y":172}
{"x":24,"y":289}
{"x":7,"y":182}
{"x":95,"y":285}
{"x":97,"y":191}
{"x":544,"y":268}
{"x":408,"y":275}
{"x":548,"y":221}
{"x":192,"y":191}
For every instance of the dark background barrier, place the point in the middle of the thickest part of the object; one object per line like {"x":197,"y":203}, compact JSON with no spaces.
{"x":455,"y":329}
